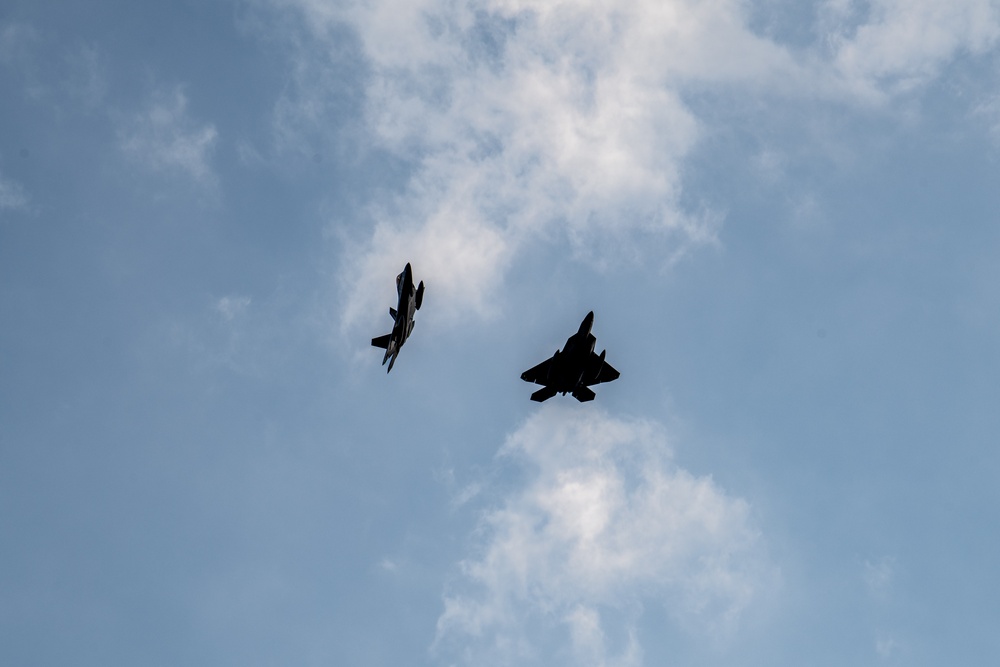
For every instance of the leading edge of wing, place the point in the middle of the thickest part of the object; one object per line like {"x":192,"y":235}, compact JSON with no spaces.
{"x":537,"y":374}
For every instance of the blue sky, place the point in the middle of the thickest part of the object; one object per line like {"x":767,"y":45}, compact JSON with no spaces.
{"x":783,"y":214}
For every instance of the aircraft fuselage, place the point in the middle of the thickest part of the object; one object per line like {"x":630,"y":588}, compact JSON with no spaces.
{"x":572,"y":369}
{"x":402,"y":315}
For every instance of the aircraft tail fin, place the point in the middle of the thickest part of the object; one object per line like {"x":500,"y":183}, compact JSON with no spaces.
{"x":584,"y":394}
{"x":543,"y":394}
{"x":382,"y":341}
{"x":392,"y":312}
{"x":392,"y":360}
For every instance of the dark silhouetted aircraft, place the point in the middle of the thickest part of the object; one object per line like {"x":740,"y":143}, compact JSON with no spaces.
{"x":402,"y":316}
{"x":573,"y":369}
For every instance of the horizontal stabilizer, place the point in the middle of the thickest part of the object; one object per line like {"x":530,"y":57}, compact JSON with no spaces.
{"x":382,"y":342}
{"x":583,"y":394}
{"x":543,"y":394}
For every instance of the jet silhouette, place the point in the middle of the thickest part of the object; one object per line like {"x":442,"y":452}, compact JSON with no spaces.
{"x":573,"y":369}
{"x":402,"y":316}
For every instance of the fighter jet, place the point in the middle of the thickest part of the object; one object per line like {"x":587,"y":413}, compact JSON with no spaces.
{"x":573,"y":369}
{"x":402,"y":316}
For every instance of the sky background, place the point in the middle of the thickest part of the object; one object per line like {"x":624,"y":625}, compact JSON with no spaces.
{"x":784,"y":215}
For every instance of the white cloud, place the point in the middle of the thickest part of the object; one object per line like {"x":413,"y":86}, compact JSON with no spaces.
{"x":589,"y":641}
{"x":603,"y":522}
{"x":163,"y":137}
{"x":318,"y":112}
{"x":886,"y":647}
{"x":12,"y":195}
{"x":878,"y":576}
{"x":523,"y":126}
{"x":568,"y":121}
{"x":231,"y":307}
{"x":905,"y":43}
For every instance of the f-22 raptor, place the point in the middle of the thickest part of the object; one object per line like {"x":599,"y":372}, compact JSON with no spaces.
{"x":402,"y":316}
{"x":573,"y":369}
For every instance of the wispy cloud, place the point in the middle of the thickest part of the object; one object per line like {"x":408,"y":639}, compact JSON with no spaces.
{"x":19,"y":46}
{"x":77,"y":78}
{"x":903,"y":44}
{"x":988,"y":113}
{"x":522,"y":126}
{"x":163,"y":137}
{"x":12,"y":195}
{"x":886,"y":647}
{"x":603,"y":522}
{"x":568,"y":121}
{"x":227,"y":334}
{"x":878,"y":577}
{"x":17,"y":40}
{"x":87,"y":78}
{"x":231,"y":307}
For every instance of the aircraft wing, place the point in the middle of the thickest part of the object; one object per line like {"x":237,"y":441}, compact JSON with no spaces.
{"x":539,"y":373}
{"x":607,"y":372}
